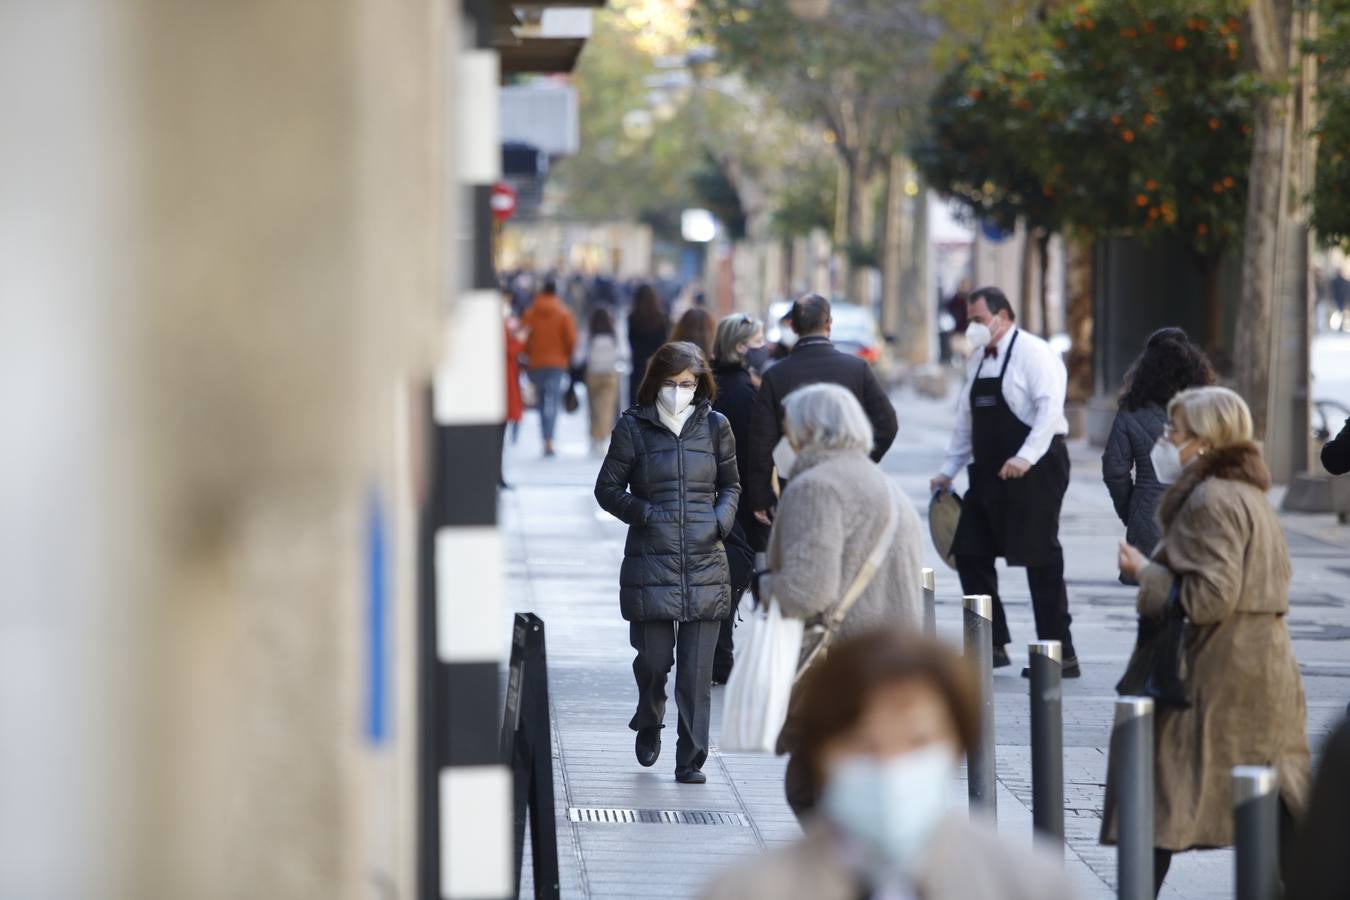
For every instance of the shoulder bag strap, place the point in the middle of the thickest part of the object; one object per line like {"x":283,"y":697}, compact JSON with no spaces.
{"x":860,"y":581}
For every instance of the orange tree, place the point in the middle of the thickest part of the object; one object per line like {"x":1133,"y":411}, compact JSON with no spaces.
{"x":1118,"y":117}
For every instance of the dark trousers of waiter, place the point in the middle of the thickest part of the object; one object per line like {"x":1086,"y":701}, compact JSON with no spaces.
{"x":1049,"y":598}
{"x":689,"y":647}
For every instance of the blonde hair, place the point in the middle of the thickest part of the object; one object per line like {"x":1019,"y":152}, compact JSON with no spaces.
{"x":1216,"y":415}
{"x":737,"y":328}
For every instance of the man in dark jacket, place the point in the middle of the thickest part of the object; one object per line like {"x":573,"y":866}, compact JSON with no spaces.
{"x":814,"y":360}
{"x":1336,"y":452}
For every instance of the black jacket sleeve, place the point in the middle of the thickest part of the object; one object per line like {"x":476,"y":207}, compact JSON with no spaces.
{"x":765,"y":430}
{"x":1117,"y":464}
{"x":879,"y":409}
{"x":611,"y":485}
{"x":1336,"y":452}
{"x":728,"y":479}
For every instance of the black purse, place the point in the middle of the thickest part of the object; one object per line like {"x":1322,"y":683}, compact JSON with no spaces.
{"x":1157,"y":666}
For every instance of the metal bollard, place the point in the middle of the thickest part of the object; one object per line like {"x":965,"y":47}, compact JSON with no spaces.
{"x":929,"y":603}
{"x":978,"y":618}
{"x":1047,"y":738}
{"x":1256,"y":832}
{"x":1132,"y":757}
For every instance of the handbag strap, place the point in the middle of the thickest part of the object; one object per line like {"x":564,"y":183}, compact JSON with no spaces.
{"x":860,"y":581}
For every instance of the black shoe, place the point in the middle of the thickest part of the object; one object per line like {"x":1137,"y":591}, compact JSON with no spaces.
{"x":1070,"y":669}
{"x":690,"y":776}
{"x":648,"y":745}
{"x":1001,"y":656}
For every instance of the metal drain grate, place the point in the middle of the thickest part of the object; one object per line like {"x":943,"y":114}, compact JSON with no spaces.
{"x":600,"y":815}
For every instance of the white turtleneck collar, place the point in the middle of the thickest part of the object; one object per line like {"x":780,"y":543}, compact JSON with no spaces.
{"x":676,"y":422}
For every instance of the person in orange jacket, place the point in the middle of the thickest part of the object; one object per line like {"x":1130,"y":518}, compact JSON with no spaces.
{"x":550,"y":338}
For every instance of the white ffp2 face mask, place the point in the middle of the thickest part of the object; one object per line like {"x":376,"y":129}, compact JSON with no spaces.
{"x":674,"y":399}
{"x":1166,"y":459}
{"x":892,"y":805}
{"x":978,"y":334}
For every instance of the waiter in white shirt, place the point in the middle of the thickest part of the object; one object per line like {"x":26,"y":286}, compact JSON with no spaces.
{"x":1011,"y":426}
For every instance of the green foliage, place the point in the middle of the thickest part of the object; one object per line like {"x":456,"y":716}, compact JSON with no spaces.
{"x":1331,"y":192}
{"x":718,"y":195}
{"x":1124,"y":116}
{"x":618,"y":175}
{"x":807,"y":201}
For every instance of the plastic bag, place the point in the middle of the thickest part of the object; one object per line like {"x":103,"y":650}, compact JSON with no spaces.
{"x":768,"y":646}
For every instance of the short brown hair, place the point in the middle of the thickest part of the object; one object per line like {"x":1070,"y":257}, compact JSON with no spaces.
{"x":834,"y":692}
{"x":672,"y":359}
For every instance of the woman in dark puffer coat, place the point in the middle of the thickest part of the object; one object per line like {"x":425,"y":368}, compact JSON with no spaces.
{"x":1169,"y":364}
{"x":671,"y":476}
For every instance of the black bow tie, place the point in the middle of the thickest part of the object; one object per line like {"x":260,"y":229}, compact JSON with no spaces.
{"x":991,"y":353}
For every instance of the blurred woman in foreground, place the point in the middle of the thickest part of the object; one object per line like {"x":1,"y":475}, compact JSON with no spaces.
{"x":1224,"y":563}
{"x":885,"y":719}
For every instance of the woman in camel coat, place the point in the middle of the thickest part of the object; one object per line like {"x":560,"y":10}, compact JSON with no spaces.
{"x":1222,"y":539}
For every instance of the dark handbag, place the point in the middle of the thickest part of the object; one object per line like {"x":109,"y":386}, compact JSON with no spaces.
{"x":1156,"y":668}
{"x":570,"y":401}
{"x":740,"y":558}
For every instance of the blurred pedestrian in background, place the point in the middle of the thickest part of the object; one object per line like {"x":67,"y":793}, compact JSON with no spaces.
{"x":738,"y":353}
{"x":954,"y":316}
{"x":670,"y":474}
{"x":550,"y":340}
{"x":1010,"y":427}
{"x":885,"y":718}
{"x":698,"y":327}
{"x":1224,"y":563}
{"x":648,"y":328}
{"x":834,"y":511}
{"x":602,"y":376}
{"x":1169,"y":364}
{"x":515,"y":403}
{"x":1336,"y":452}
{"x":813,"y":360}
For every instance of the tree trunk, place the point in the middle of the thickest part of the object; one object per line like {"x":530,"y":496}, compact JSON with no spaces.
{"x":1043,"y":251}
{"x":1079,"y":311}
{"x":861,"y":226}
{"x":1269,"y":25}
{"x":1209,"y":278}
{"x":893,"y":253}
{"x":1024,"y":306}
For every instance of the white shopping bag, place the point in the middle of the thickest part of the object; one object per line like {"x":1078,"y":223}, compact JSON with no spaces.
{"x":756,"y":704}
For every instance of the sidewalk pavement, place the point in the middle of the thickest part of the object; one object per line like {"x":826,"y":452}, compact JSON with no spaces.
{"x":563,"y":557}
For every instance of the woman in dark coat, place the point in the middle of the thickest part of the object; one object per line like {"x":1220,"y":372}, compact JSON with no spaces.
{"x":671,"y":476}
{"x":739,"y":355}
{"x":648,"y":327}
{"x":1169,"y":364}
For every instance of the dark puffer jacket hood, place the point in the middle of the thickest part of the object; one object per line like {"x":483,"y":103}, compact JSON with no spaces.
{"x":679,"y":496}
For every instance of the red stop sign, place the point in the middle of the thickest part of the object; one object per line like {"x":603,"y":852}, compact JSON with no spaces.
{"x":503,"y":201}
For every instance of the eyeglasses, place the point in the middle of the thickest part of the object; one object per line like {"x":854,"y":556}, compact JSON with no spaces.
{"x":686,"y":385}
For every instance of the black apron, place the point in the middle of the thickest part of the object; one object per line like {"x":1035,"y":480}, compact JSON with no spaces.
{"x":1017,"y":519}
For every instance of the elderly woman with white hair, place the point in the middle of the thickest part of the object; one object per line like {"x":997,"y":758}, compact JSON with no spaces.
{"x":1224,"y":566}
{"x":837,"y":506}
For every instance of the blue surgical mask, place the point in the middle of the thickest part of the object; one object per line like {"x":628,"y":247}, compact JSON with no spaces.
{"x":892,"y":806}
{"x":756,"y":357}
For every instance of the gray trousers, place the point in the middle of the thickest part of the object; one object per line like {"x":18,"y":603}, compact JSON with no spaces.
{"x":689,"y":647}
